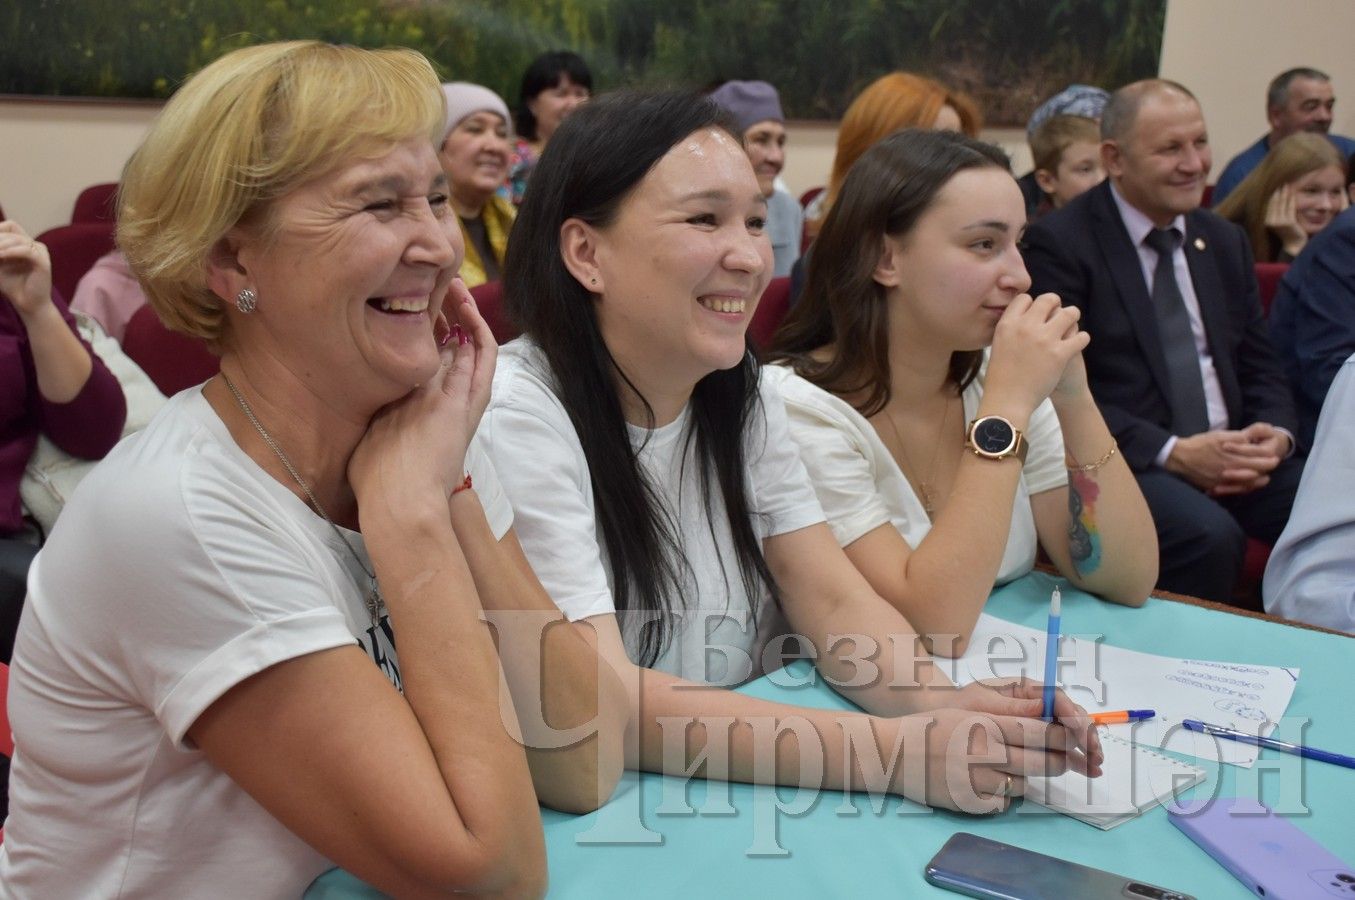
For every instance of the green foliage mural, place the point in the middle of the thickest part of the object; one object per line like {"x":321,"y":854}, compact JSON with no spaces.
{"x":1008,"y":54}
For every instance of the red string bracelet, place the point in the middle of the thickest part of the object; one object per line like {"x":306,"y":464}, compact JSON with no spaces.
{"x":463,"y":486}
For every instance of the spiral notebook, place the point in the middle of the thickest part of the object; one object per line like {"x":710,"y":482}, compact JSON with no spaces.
{"x":1135,"y":780}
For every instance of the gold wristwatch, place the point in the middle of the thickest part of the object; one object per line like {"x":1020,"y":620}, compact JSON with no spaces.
{"x":993,"y":437}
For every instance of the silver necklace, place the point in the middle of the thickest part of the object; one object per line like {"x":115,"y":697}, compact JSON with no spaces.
{"x":373,"y":600}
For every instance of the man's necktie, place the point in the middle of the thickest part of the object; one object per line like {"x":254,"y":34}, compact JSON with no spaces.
{"x":1189,"y":412}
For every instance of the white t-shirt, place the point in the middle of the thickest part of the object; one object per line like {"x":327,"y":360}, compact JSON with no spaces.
{"x":862,"y":487}
{"x":546,"y":477}
{"x":179,"y":569}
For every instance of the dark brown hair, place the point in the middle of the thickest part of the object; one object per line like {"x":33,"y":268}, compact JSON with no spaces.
{"x":885,"y":193}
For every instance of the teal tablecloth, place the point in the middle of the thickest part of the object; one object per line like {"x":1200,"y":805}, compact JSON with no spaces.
{"x":832,"y":853}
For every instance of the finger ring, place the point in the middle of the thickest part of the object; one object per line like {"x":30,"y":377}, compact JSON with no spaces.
{"x":1006,"y":788}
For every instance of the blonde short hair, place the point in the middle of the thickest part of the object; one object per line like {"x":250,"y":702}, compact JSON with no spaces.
{"x":244,"y":131}
{"x":1056,"y":134}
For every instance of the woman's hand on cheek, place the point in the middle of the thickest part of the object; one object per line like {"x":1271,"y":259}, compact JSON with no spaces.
{"x":1282,"y":219}
{"x":415,"y":448}
{"x":470,"y":329}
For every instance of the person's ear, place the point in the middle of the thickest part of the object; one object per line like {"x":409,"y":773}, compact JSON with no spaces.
{"x":227,"y":270}
{"x":889,"y":269}
{"x":1273,"y":116}
{"x":579,"y":246}
{"x":1112,"y":159}
{"x":1046,"y":180}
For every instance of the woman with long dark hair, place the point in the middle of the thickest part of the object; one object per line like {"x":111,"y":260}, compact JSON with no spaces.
{"x":659,"y":497}
{"x":937,"y":401}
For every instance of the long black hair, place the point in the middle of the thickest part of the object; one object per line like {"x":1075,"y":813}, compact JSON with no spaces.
{"x":589,"y":169}
{"x":546,"y":72}
{"x":885,"y":192}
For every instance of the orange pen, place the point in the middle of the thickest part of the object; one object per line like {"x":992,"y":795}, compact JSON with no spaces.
{"x":1122,"y":715}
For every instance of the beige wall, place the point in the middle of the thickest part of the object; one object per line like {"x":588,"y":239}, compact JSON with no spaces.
{"x":1227,"y":51}
{"x":810,"y":147}
{"x":1224,"y":50}
{"x":50,"y":151}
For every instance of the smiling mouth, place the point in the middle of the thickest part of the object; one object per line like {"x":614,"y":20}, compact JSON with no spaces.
{"x":724,"y":304}
{"x":407,"y":305}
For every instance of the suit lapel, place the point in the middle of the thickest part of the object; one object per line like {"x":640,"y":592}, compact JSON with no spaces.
{"x":1122,"y":259}
{"x":1209,"y":293}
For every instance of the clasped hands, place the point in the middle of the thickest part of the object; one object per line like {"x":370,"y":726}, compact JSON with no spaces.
{"x":1227,"y":462}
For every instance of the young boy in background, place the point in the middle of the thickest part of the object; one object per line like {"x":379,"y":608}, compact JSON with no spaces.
{"x":1067,"y":154}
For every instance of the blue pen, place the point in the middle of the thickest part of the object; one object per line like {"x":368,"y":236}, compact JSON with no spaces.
{"x":1051,"y":652}
{"x":1336,"y":759}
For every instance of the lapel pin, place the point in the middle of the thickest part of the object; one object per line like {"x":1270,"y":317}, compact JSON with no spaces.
{"x":1199,"y":243}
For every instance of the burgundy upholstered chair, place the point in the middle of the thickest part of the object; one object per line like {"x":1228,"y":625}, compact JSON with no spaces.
{"x":771,"y":309}
{"x":96,"y":203}
{"x":1268,"y":277}
{"x":173,"y":361}
{"x":489,"y":298}
{"x":74,"y":250}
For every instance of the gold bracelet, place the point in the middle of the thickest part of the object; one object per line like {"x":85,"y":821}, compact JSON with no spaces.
{"x":1073,"y":465}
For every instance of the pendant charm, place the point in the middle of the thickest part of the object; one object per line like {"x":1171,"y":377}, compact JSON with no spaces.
{"x":925,"y":489}
{"x":374,"y":603}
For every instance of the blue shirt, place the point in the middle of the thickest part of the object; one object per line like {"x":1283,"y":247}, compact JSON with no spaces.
{"x":785,"y":221}
{"x":1311,"y":573}
{"x":1312,"y":321}
{"x":1240,"y":166}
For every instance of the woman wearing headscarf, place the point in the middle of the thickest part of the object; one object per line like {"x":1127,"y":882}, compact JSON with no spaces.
{"x":475,"y":153}
{"x":756,"y":110}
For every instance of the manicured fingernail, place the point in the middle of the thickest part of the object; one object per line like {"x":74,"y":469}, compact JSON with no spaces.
{"x":461,"y":338}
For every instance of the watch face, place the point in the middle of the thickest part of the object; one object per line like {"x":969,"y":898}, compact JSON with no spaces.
{"x":993,"y":435}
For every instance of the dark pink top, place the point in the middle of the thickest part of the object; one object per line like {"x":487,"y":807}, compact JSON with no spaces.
{"x":87,"y":426}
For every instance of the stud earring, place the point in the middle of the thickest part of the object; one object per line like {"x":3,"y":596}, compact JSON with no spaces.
{"x":246,"y":301}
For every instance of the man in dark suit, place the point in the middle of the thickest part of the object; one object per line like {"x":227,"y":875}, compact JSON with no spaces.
{"x":1179,"y":361}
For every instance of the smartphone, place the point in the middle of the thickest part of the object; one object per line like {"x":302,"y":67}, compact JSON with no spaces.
{"x":1269,"y":854}
{"x":978,"y":867}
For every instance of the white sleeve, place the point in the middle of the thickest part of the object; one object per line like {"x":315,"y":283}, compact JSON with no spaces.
{"x":177,"y":589}
{"x":1046,"y":467}
{"x":485,"y":479}
{"x":838,"y":466}
{"x":545,"y":478}
{"x":783,"y":498}
{"x":1311,"y":573}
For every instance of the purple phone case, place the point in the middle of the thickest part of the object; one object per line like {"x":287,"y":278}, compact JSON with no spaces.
{"x":1272,"y":856}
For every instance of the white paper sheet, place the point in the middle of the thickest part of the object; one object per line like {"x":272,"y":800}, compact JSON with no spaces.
{"x":1101,"y":677}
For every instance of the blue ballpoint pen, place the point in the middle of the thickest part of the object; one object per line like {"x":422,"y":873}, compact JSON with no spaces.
{"x":1336,"y":759}
{"x":1051,"y":653}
